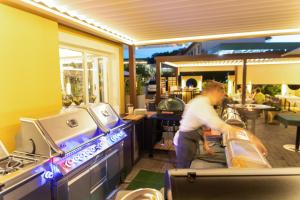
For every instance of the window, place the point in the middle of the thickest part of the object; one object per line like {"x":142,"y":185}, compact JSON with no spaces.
{"x":82,"y":76}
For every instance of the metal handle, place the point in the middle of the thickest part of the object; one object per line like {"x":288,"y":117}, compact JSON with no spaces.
{"x":99,"y":185}
{"x":82,"y":144}
{"x":78,"y":177}
{"x":72,"y":123}
{"x":105,"y":113}
{"x":112,"y":153}
{"x":24,"y":181}
{"x":98,"y":163}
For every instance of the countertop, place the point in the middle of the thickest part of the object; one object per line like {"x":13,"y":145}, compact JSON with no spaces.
{"x":138,"y":117}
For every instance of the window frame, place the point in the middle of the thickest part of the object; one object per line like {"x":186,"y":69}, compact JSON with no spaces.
{"x":85,"y":52}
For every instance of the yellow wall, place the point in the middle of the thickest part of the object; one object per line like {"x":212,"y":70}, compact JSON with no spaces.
{"x":29,"y":77}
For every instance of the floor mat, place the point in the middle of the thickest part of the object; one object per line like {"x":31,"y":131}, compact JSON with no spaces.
{"x":147,"y":179}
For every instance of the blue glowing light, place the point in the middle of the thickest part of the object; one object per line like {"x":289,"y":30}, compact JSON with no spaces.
{"x":48,"y":175}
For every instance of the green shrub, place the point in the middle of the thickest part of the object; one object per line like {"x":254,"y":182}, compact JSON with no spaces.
{"x":271,"y":90}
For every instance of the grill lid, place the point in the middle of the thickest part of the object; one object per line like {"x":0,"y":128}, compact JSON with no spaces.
{"x":243,"y":154}
{"x":174,"y":105}
{"x":70,"y":129}
{"x":105,"y":116}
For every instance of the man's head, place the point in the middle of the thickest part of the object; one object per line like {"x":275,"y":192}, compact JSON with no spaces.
{"x":215,"y":91}
{"x":258,"y":90}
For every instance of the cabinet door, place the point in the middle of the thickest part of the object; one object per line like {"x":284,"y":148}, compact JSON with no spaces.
{"x":113,"y":164}
{"x":113,"y":170}
{"x":79,"y":187}
{"x":128,"y":151}
{"x":99,"y":192}
{"x":98,"y":172}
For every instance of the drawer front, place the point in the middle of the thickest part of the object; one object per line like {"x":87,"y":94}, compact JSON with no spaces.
{"x":98,"y":172}
{"x":79,"y":187}
{"x":113,"y":164}
{"x":100,"y":191}
{"x":28,"y":189}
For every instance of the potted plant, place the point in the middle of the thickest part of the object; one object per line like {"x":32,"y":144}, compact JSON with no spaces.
{"x":140,"y":92}
{"x":271,"y":90}
{"x":77,"y":100}
{"x":67,"y":100}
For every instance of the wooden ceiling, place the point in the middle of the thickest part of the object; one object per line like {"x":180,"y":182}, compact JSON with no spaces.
{"x":149,"y":21}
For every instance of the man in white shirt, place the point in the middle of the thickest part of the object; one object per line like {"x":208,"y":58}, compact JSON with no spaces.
{"x":199,"y":113}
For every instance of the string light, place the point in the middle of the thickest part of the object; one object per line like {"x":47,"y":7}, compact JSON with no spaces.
{"x":62,"y":11}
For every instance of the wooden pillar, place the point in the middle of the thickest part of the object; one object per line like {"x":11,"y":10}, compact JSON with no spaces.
{"x":157,"y":99}
{"x":132,"y":75}
{"x":244,"y":81}
{"x":177,"y":74}
{"x":236,"y":79}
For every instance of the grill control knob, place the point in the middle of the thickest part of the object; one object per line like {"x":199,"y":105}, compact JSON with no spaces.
{"x":114,"y":138}
{"x":82,"y":156}
{"x":120,"y":134}
{"x":76,"y":159}
{"x":92,"y":149}
{"x":69,"y":163}
{"x":89,"y":152}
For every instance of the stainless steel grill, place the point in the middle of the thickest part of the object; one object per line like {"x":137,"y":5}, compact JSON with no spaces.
{"x":80,"y":148}
{"x":232,"y":117}
{"x":109,"y":121}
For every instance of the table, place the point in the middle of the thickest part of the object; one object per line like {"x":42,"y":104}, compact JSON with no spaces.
{"x":250,"y":112}
{"x":292,"y":119}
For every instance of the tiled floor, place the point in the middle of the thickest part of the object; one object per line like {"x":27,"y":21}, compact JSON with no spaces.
{"x":273,"y":136}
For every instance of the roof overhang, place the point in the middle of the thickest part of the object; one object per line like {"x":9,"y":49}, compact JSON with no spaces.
{"x":228,"y":60}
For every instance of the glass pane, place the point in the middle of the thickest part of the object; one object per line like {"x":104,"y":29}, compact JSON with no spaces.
{"x":71,"y":63}
{"x":95,"y":78}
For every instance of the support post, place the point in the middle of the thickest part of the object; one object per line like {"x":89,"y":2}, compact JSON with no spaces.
{"x":132,"y":75}
{"x":244,"y":81}
{"x":177,"y":74}
{"x":236,"y":79}
{"x":157,"y":99}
